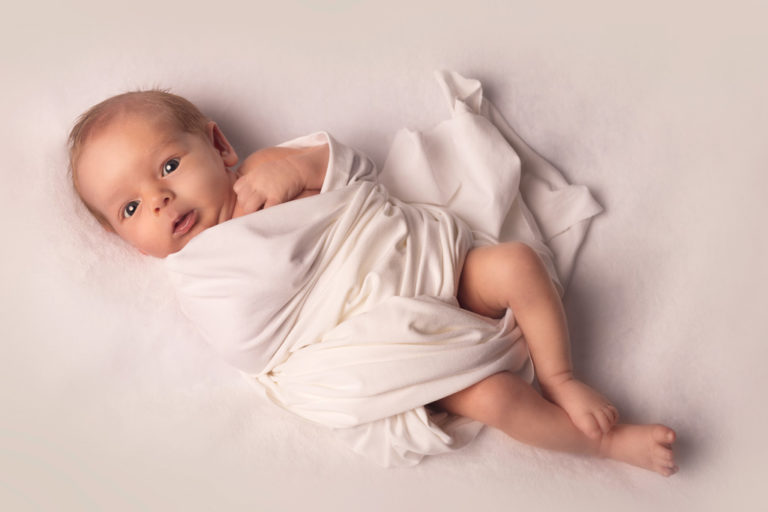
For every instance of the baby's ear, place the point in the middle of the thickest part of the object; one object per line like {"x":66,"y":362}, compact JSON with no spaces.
{"x":222,"y":145}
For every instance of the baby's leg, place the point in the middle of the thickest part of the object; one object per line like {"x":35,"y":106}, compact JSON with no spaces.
{"x":507,"y":402}
{"x":511,"y":275}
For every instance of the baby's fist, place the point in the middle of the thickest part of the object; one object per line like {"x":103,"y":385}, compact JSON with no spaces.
{"x":265,"y":184}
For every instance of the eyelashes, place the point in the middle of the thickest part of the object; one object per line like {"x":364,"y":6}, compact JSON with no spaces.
{"x":170,"y":166}
{"x":130,"y":209}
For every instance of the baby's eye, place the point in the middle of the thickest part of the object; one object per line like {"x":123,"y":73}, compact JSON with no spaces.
{"x":130,"y":209}
{"x":170,"y":166}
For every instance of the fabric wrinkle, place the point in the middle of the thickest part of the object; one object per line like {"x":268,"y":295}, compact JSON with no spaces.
{"x":342,"y":306}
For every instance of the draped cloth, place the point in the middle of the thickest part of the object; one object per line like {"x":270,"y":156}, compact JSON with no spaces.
{"x":342,"y":306}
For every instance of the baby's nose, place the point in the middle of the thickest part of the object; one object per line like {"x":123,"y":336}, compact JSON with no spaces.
{"x":161,"y":203}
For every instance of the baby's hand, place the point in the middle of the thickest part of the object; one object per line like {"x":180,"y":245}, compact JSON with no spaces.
{"x":276,"y":175}
{"x":267,"y":184}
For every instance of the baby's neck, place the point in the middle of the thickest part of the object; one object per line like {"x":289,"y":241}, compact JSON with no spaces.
{"x":229,"y":209}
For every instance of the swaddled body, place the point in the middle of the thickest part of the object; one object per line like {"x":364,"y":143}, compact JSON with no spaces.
{"x":343,"y":305}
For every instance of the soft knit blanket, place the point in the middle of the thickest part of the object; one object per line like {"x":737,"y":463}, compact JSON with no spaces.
{"x":342,"y":307}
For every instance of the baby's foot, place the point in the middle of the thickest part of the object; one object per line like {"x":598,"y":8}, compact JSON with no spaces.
{"x":590,"y":411}
{"x":645,"y":446}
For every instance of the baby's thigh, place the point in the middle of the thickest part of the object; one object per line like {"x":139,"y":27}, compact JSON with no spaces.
{"x":493,"y":275}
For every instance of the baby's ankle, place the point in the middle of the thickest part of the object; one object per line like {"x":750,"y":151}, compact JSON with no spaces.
{"x":555,"y":380}
{"x":605,"y":446}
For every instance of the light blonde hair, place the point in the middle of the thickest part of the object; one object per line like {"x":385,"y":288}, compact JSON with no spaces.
{"x":157,"y":103}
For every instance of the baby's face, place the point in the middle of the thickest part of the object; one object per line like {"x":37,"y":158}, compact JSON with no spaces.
{"x":157,"y":186}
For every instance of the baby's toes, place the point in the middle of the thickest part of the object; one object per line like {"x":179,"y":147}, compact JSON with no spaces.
{"x":664,"y":456}
{"x":664,"y":435}
{"x":666,"y":470}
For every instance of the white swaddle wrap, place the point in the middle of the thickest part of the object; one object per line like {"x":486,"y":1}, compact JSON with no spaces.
{"x":342,"y":305}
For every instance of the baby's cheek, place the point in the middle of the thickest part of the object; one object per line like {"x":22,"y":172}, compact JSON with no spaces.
{"x":203,"y":188}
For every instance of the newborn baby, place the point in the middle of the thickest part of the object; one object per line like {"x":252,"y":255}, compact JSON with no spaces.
{"x":350,"y":307}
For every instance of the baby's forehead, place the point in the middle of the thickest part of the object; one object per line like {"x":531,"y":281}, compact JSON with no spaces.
{"x":124,"y":124}
{"x":158,"y":121}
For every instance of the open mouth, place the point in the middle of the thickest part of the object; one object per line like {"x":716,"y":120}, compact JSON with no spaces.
{"x":184,"y":223}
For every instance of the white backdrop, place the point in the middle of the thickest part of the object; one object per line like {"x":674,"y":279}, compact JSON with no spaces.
{"x":109,"y":402}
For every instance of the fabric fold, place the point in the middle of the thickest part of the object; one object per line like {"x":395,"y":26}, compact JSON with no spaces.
{"x":342,"y":306}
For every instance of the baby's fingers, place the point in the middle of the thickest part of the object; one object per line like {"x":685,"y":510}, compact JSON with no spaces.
{"x":249,"y":203}
{"x":272,"y":201}
{"x":280,"y":197}
{"x":604,"y":419}
{"x":239,"y":185}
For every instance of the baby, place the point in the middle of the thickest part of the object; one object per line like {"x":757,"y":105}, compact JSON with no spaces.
{"x":155,"y":171}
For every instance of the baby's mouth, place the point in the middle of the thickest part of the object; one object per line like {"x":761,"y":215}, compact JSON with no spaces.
{"x":184,"y":223}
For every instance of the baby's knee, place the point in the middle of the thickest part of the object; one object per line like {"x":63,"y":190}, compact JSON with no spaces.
{"x":521,"y":253}
{"x":518,"y":261}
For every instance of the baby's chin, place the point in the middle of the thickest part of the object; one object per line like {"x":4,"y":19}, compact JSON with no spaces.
{"x":163,"y":252}
{"x":186,"y":229}
{"x":172,"y":250}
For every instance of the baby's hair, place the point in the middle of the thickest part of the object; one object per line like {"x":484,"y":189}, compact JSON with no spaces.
{"x":157,"y":103}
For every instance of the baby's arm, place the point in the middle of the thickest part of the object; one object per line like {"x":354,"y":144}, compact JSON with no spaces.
{"x":279,"y":174}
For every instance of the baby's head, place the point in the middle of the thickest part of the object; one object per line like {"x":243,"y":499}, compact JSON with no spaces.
{"x":152,"y":169}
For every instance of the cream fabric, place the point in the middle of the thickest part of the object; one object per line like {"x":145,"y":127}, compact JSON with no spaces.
{"x":342,"y":307}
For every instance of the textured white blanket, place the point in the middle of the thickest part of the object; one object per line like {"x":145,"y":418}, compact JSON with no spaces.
{"x":342,"y":305}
